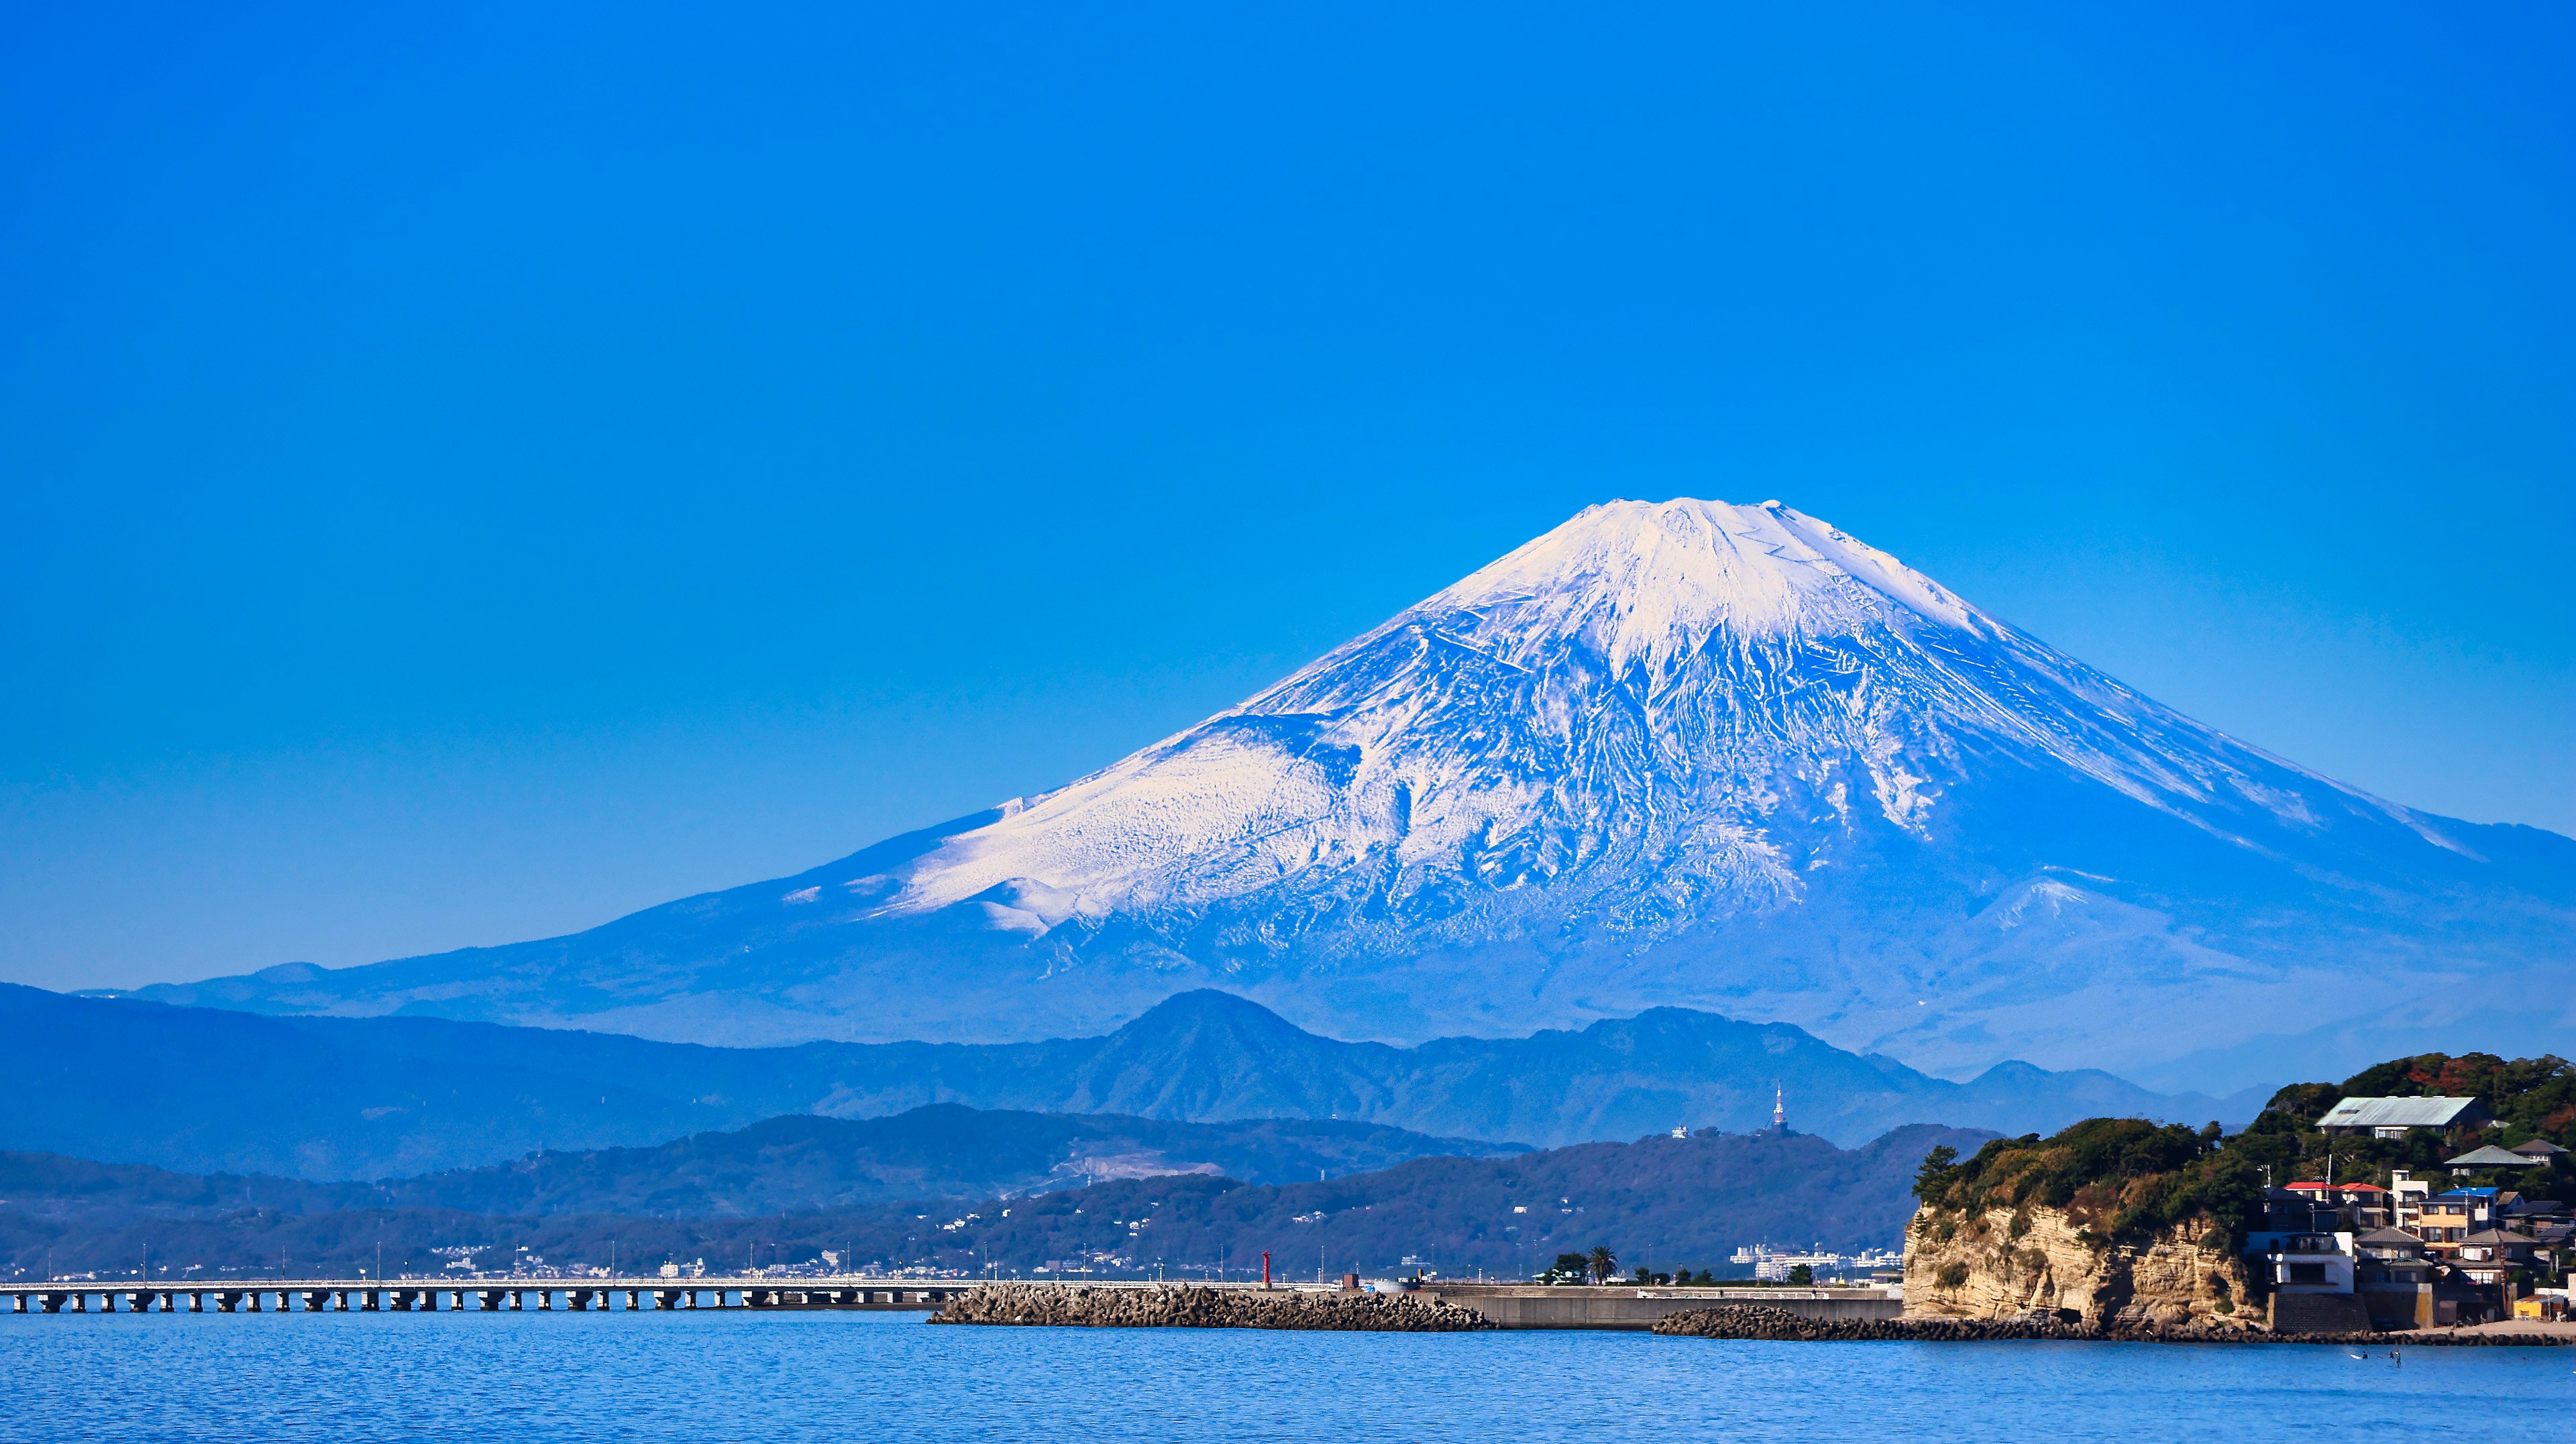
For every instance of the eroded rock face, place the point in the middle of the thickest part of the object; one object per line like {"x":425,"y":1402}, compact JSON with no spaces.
{"x":2032,"y":1263}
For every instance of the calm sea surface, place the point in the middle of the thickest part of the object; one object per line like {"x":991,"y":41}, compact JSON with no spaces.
{"x":720,"y":1376}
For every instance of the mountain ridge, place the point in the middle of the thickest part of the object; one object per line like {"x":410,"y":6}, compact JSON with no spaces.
{"x":208,"y":1090}
{"x":788,"y":1164}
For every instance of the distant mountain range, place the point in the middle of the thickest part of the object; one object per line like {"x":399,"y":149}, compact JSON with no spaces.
{"x":205,"y":1090}
{"x":1689,"y":754}
{"x":1666,"y":1202}
{"x":781,"y":1165}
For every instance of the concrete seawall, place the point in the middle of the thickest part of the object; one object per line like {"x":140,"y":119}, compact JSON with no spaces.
{"x":1531,"y":1306}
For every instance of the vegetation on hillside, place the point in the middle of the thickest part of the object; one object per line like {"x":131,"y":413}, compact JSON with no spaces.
{"x":2121,"y":1179}
{"x":2117,"y":1178}
{"x":1668,"y":1203}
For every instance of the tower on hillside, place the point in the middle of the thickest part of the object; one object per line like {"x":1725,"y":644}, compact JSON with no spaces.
{"x":1779,"y":1110}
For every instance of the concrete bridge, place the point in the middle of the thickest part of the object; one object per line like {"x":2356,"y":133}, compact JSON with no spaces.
{"x":419,"y":1296}
{"x":1510,"y":1306}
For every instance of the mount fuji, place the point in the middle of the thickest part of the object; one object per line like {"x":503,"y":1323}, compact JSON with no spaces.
{"x":1721,"y":757}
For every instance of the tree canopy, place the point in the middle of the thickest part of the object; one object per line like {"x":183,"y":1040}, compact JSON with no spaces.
{"x":2121,"y":1178}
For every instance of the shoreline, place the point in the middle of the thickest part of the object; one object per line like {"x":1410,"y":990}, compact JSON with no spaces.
{"x":1755,"y":1322}
{"x":1194,"y":1306}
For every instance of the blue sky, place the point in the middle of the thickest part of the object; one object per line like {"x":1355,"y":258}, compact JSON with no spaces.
{"x":470,"y":473}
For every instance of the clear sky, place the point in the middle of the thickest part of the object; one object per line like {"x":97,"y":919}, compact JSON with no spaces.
{"x":469,"y":474}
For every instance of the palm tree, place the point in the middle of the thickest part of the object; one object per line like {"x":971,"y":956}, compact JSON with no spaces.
{"x":1604,"y":1264}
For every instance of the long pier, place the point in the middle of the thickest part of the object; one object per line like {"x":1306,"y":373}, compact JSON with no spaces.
{"x":422,"y":1296}
{"x":1510,"y":1306}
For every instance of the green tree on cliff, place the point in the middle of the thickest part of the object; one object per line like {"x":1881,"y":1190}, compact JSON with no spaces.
{"x":1935,"y":1173}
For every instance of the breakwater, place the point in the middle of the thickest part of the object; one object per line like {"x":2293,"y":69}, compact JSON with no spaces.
{"x":1524,"y":1306}
{"x":1752,"y":1321}
{"x":1189,"y":1307}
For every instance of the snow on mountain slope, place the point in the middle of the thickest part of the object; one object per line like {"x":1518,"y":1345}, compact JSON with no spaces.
{"x":1718,"y":756}
{"x":1647,"y":688}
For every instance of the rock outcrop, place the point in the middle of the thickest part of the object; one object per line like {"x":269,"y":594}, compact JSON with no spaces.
{"x":1188,"y":1307}
{"x":2036,"y":1264}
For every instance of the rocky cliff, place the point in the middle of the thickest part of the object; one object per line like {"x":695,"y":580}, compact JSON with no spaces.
{"x":2006,"y":1263}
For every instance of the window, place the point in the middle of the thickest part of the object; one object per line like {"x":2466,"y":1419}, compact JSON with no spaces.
{"x":2307,"y":1273}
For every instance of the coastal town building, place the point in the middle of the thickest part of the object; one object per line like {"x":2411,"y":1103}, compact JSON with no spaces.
{"x":1775,"y":1265}
{"x":2495,"y":1256}
{"x":2491,"y":1157}
{"x":2444,"y":1219}
{"x":2365,"y":1205}
{"x":2396,"y":1117}
{"x":2416,"y":1253}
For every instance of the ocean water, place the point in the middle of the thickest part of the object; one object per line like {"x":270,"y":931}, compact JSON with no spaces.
{"x":746,"y":1376}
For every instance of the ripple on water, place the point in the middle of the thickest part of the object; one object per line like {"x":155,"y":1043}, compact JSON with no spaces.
{"x":717,"y":1376}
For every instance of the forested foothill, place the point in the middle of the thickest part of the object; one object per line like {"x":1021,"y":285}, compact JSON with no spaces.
{"x":2124,"y":1179}
{"x":1666,"y":1203}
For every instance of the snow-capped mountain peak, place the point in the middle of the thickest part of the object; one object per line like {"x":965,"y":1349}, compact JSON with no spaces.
{"x":1650,"y":581}
{"x":1669,"y":709}
{"x":1724,"y":757}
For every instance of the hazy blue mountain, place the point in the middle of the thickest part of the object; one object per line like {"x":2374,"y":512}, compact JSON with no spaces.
{"x":1663,"y":1202}
{"x":781,"y":1165}
{"x":1680,"y":754}
{"x":208,"y":1090}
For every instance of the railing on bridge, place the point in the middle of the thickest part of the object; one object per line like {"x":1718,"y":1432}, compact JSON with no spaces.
{"x":398,"y":1296}
{"x":1510,"y":1306}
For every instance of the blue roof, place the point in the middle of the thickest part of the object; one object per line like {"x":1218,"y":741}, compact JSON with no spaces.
{"x":2468,"y":1193}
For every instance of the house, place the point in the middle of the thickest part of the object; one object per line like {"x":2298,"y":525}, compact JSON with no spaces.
{"x":2393,"y":1117}
{"x":2389,"y":1246}
{"x":2444,"y":1219}
{"x":2494,"y":1256}
{"x":2300,"y":1208}
{"x":2406,"y":1195}
{"x":2393,"y":1278}
{"x":2308,"y":1263}
{"x":2545,"y":1219}
{"x":2491,"y":1157}
{"x":2310,"y":1281}
{"x":2361,"y":1205}
{"x":2370,"y":1205}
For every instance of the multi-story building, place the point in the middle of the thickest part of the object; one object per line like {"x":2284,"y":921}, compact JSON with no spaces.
{"x":2360,"y":1206}
{"x":2443,"y":1219}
